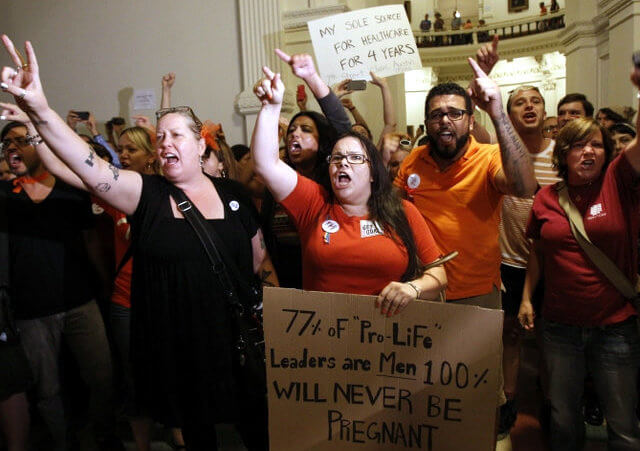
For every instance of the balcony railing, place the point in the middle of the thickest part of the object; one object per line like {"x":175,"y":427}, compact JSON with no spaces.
{"x":506,"y":30}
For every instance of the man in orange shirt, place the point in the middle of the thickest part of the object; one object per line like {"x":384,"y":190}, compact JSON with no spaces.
{"x":458,"y":185}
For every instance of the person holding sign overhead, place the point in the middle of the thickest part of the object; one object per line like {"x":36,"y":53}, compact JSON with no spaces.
{"x":357,"y":237}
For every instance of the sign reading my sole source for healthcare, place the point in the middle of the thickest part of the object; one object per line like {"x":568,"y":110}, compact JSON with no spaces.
{"x":376,"y":39}
{"x":343,"y":377}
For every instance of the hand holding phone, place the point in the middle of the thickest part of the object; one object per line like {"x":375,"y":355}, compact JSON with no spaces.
{"x":357,"y":85}
{"x":82,"y":115}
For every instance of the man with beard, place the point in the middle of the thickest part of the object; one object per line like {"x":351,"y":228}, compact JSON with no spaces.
{"x":526,"y":109}
{"x":458,"y":185}
{"x":51,"y":286}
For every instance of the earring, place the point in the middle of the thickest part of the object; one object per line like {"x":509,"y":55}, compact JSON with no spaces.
{"x":223,"y":174}
{"x":201,"y":161}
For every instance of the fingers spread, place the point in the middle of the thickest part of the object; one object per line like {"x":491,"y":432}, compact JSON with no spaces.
{"x":8,"y":44}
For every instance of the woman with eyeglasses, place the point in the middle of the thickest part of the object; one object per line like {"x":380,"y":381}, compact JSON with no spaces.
{"x":358,"y":237}
{"x":588,"y":324}
{"x":181,"y":338}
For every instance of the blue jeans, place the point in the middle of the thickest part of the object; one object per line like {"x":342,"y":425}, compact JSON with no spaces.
{"x":612,"y":356}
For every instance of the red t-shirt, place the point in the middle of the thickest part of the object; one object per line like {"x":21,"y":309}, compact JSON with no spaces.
{"x":121,"y":236}
{"x":575,"y":291}
{"x":355,"y":257}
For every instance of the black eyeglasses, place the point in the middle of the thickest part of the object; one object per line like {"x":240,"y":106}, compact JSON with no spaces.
{"x":179,"y":109}
{"x":19,"y":142}
{"x":353,"y":158}
{"x":454,"y":114}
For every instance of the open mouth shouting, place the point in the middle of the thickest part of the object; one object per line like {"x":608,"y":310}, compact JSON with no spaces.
{"x":342,"y":179}
{"x":530,"y":117}
{"x":170,"y":159}
{"x":14,"y":159}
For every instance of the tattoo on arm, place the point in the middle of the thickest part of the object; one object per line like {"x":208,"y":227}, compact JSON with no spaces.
{"x":102,"y":187}
{"x":115,"y":171}
{"x":264,"y":275}
{"x":515,"y":157}
{"x":89,"y":160}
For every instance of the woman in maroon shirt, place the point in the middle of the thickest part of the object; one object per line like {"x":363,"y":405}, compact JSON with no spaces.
{"x":587,"y":323}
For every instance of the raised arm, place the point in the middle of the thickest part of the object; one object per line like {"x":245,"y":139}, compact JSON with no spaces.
{"x":53,"y":164}
{"x":632,"y":151}
{"x":277,"y":175}
{"x":388,"y":109}
{"x":357,"y":117}
{"x":120,"y":188}
{"x":516,"y":177}
{"x":167,"y":83}
{"x":302,"y":66}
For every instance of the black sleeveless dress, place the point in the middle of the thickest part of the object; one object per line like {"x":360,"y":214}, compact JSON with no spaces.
{"x":181,"y":343}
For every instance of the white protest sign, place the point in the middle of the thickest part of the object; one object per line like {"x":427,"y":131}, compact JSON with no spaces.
{"x":376,"y":39}
{"x":144,"y":99}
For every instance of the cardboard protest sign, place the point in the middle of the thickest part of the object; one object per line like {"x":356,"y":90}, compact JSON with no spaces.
{"x":376,"y":39}
{"x":341,"y":376}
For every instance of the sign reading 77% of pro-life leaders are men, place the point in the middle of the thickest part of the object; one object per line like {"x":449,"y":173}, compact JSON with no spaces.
{"x":341,"y":376}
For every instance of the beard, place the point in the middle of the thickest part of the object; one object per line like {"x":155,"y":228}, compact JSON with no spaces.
{"x":447,"y":153}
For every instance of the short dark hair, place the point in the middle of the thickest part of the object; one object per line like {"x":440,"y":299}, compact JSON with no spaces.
{"x":574,"y":131}
{"x":577,"y":97}
{"x":448,"y":89}
{"x":239,"y":151}
{"x":612,"y":115}
{"x":10,"y":126}
{"x":101,"y":151}
{"x":623,"y":127}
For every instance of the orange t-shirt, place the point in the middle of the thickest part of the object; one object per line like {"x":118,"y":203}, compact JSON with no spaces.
{"x":462,"y":208}
{"x":121,"y":236}
{"x":355,"y":257}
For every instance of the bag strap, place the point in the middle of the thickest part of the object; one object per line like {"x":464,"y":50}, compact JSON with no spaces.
{"x":599,"y":258}
{"x":207,"y":235}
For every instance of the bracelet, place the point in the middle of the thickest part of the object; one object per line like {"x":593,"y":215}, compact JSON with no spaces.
{"x":34,"y":140}
{"x":412,"y":285}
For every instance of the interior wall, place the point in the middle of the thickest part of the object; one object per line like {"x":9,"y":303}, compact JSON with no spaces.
{"x":93,"y":54}
{"x":498,"y":10}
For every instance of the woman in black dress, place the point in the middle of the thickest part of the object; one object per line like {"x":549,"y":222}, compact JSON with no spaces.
{"x":181,"y":336}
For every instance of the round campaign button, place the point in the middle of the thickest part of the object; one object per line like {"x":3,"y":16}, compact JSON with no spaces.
{"x":234,"y":205}
{"x":330,"y":226}
{"x":97,"y":209}
{"x":413,"y":181}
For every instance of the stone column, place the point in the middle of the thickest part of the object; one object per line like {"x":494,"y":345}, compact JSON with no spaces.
{"x":579,"y":40}
{"x":260,"y":34}
{"x":623,"y":39}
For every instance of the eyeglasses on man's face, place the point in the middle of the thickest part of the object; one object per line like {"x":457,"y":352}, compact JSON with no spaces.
{"x":352,"y":158}
{"x":20,"y":142}
{"x":453,"y":114}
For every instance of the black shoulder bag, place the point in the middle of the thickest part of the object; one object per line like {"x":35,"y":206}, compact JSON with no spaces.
{"x":249,"y":352}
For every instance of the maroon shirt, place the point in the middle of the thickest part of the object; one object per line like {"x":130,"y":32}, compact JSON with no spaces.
{"x":575,"y":291}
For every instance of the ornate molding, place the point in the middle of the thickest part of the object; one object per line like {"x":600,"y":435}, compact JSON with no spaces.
{"x":292,"y":20}
{"x":578,"y":31}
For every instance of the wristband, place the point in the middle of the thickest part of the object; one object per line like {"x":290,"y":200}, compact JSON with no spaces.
{"x":412,"y":285}
{"x":34,"y":140}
